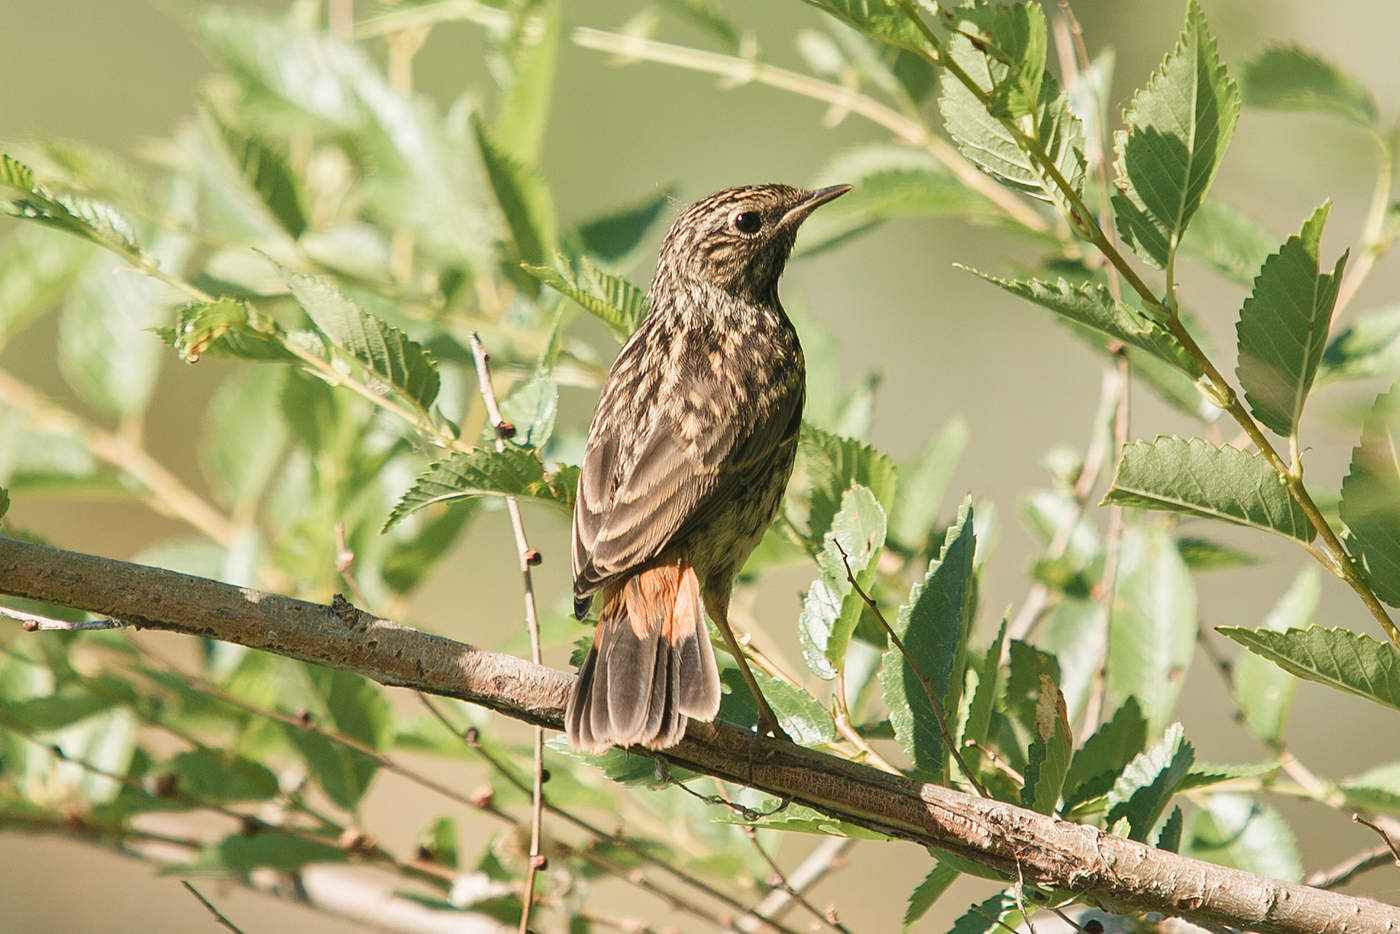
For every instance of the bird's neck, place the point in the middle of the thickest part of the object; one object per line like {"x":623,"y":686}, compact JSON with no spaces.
{"x":699,"y":303}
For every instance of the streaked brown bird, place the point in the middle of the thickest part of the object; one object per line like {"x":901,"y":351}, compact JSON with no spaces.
{"x":688,"y":455}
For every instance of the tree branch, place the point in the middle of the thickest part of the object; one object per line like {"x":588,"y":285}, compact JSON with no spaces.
{"x":1114,"y":873}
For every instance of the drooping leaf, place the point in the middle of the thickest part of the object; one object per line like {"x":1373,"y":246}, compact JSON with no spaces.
{"x":934,"y":625}
{"x":1152,"y":629}
{"x":351,"y":706}
{"x":1282,"y":328}
{"x":1370,"y":504}
{"x":832,"y":607}
{"x":1177,"y":130}
{"x":1288,"y":78}
{"x":1342,"y":659}
{"x":612,"y":236}
{"x":1369,"y":346}
{"x":619,"y":303}
{"x":1142,"y":792}
{"x":1193,"y":476}
{"x":1089,"y":305}
{"x":983,"y":136}
{"x":389,"y":353}
{"x":513,"y":472}
{"x":523,"y":199}
{"x":1097,"y":764}
{"x":1235,"y":830}
{"x":927,"y":892}
{"x":1048,"y":759}
{"x":1264,"y":691}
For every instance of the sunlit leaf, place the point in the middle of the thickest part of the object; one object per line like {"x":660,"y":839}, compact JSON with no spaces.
{"x":1370,"y":504}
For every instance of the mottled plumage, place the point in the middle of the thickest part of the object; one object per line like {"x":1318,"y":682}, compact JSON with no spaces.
{"x":688,"y":454}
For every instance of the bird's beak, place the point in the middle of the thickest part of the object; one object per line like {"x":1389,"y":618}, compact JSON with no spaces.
{"x":814,"y":200}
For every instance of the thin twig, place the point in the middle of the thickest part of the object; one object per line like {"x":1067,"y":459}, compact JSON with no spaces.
{"x":1351,"y":867}
{"x":825,"y":857}
{"x":846,"y":728}
{"x":927,"y":685}
{"x":36,"y":623}
{"x":218,"y":915}
{"x":528,"y":558}
{"x":827,"y":918}
{"x":1394,"y":852}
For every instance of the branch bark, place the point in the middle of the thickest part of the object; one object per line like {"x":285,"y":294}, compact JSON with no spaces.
{"x":1116,"y":874}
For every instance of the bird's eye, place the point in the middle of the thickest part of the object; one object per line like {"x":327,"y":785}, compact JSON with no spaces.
{"x":747,"y":221}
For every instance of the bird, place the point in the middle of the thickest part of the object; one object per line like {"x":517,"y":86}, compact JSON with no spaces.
{"x":687,"y":459}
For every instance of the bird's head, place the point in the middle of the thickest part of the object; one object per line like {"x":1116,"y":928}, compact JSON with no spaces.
{"x":739,"y":239}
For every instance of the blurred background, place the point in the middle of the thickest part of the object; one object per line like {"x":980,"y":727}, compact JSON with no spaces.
{"x":119,"y":72}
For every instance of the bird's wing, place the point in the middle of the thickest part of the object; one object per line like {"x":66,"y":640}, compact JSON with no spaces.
{"x":699,"y":446}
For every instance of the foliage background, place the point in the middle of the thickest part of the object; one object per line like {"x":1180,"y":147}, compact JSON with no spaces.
{"x":116,"y":71}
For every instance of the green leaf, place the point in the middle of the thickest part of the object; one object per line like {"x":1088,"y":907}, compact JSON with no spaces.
{"x":229,"y":328}
{"x":984,"y":137}
{"x":827,"y":466}
{"x":1370,"y":504}
{"x":934,"y":625}
{"x":1236,"y":830}
{"x":1282,"y":328}
{"x":804,"y":718}
{"x":880,"y":19}
{"x":271,"y":849}
{"x":890,"y":182}
{"x":921,"y":487}
{"x":613,"y":299}
{"x":351,"y":706}
{"x":522,"y":197}
{"x":243,"y":436}
{"x":1207,"y":774}
{"x":267,"y":173}
{"x":1376,"y":789}
{"x":1342,"y":659}
{"x":1169,"y":837}
{"x":439,"y":841}
{"x":832,"y":607}
{"x":1178,"y":129}
{"x":978,"y":723}
{"x":1227,"y":240}
{"x":1152,"y":629}
{"x":1263,"y":691}
{"x":611,"y":237}
{"x":531,"y":408}
{"x":220,"y":777}
{"x":1097,"y":764}
{"x":4,"y":502}
{"x":533,"y":51}
{"x":708,"y":18}
{"x":781,"y":814}
{"x":36,"y":267}
{"x":389,"y":353}
{"x":1193,"y":476}
{"x":513,"y":472}
{"x":928,"y":892}
{"x":1142,"y":792}
{"x":1369,"y":346}
{"x":997,"y":913}
{"x":1048,"y":759}
{"x":1204,"y":555}
{"x":1284,"y":78}
{"x":90,"y":219}
{"x":1089,"y":305}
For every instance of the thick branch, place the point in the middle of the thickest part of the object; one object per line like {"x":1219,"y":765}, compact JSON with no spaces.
{"x":1109,"y":871}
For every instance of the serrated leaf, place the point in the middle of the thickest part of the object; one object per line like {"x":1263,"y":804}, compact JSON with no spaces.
{"x":832,"y":607}
{"x":523,"y":199}
{"x":1048,"y":758}
{"x":1235,"y":830}
{"x":827,"y":466}
{"x":1088,"y":304}
{"x":613,"y":299}
{"x":804,"y":718}
{"x":226,"y":327}
{"x":1169,"y":837}
{"x":1097,"y":764}
{"x":778,"y":814}
{"x":921,"y":486}
{"x":351,"y":706}
{"x":934,"y":625}
{"x":612,"y":236}
{"x":986,"y":140}
{"x":1152,"y":629}
{"x":265,"y":171}
{"x":881,"y":19}
{"x":513,"y":472}
{"x":1369,"y":346}
{"x":91,"y":219}
{"x":36,"y":267}
{"x":1263,"y":691}
{"x":1370,"y":504}
{"x":1288,"y":78}
{"x":890,"y":182}
{"x":1207,"y":774}
{"x":997,"y":913}
{"x":1193,"y":476}
{"x":1074,"y":632}
{"x":1282,"y":328}
{"x":531,"y":407}
{"x":1142,"y":792}
{"x":1227,"y":240}
{"x":977,"y":725}
{"x":1376,"y":789}
{"x":1178,"y":129}
{"x":927,"y":892}
{"x":389,"y":353}
{"x":1345,"y":660}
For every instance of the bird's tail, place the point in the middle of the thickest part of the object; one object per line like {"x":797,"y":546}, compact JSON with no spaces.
{"x":650,"y":667}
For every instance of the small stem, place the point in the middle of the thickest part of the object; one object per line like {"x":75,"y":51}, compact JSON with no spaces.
{"x":825,"y":857}
{"x":1373,"y":240}
{"x":846,"y":728}
{"x":786,"y":886}
{"x":218,"y":916}
{"x":913,"y":666}
{"x":1390,"y":844}
{"x":1351,"y":867}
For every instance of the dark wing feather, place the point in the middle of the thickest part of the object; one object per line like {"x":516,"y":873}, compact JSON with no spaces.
{"x":634,"y":498}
